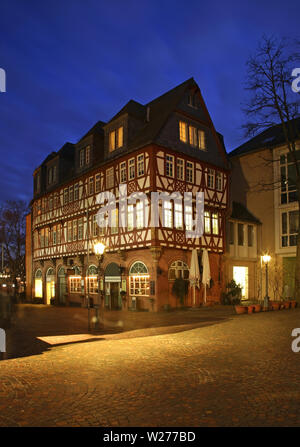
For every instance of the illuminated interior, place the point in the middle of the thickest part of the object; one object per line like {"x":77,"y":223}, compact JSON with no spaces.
{"x":240,"y":276}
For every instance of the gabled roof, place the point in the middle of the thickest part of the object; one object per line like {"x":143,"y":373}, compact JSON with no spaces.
{"x":269,"y":138}
{"x":97,"y":128}
{"x":132,"y":108}
{"x":240,"y":212}
{"x":159,"y":111}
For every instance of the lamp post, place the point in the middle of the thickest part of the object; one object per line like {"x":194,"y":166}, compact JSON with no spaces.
{"x":99,"y":250}
{"x":266,"y":259}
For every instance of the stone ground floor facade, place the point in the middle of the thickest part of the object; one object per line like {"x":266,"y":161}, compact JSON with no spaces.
{"x":140,"y":279}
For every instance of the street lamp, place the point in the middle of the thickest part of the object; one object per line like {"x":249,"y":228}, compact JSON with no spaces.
{"x":266,"y":259}
{"x":99,"y":250}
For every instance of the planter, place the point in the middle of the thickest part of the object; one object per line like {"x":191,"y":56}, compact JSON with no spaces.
{"x":293,"y":304}
{"x":241,"y":309}
{"x":275,"y":306}
{"x":287,"y":304}
{"x":282,"y":306}
{"x":257,"y":307}
{"x":251,"y":309}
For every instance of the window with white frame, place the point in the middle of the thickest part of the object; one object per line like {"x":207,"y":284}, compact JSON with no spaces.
{"x":139,"y":284}
{"x":131,"y":169}
{"x":288,"y":177}
{"x":289,"y":228}
{"x":219,"y":181}
{"x":207,"y":222}
{"x":167,"y":214}
{"x":75,"y":284}
{"x":97,"y":183}
{"x":130,"y":211}
{"x":76,"y":191}
{"x":75,"y":230}
{"x":188,"y":217}
{"x":123,"y":172}
{"x":190,"y":172}
{"x":215,"y":223}
{"x":91,"y":185}
{"x":180,"y":169}
{"x":109,"y":178}
{"x":71,"y":194}
{"x":140,"y":214}
{"x":169,"y":165}
{"x":178,"y":269}
{"x":140,"y":165}
{"x":210,"y":178}
{"x":178,"y":216}
{"x":80,"y":229}
{"x":93,"y":279}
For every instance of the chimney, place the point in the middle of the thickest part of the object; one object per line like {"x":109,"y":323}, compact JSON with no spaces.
{"x":148,"y":114}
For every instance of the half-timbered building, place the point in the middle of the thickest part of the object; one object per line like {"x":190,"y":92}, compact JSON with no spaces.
{"x":167,"y":145}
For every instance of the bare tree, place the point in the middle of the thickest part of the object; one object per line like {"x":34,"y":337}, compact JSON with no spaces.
{"x":272,"y":102}
{"x":12,"y":236}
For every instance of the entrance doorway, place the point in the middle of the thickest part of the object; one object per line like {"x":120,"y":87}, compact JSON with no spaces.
{"x":50,"y":285}
{"x":62,"y":285}
{"x":240,"y":276}
{"x":114,"y":295}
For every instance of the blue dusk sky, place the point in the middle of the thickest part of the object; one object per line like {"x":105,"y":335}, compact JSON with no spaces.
{"x":70,"y":63}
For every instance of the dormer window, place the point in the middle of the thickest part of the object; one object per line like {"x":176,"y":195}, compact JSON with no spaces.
{"x":84,"y":156}
{"x":116,"y":139}
{"x":38,"y":183}
{"x":51,"y":175}
{"x":192,"y":100}
{"x":191,"y":135}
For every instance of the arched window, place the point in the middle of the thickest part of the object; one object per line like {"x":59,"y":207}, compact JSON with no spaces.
{"x":139,"y":279}
{"x":50,"y":272}
{"x":38,"y":284}
{"x":178,"y":269}
{"x":92,"y":279}
{"x":138,"y":268}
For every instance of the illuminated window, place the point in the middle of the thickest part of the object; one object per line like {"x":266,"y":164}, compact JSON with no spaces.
{"x":92,"y":279}
{"x":130,"y":223}
{"x":116,"y":139}
{"x":178,"y":216}
{"x":215,"y":223}
{"x":139,"y":279}
{"x":114,"y":221}
{"x":38,"y":284}
{"x":75,"y":284}
{"x":201,"y":139}
{"x":206,"y":222}
{"x":140,"y":214}
{"x":188,"y":217}
{"x":183,"y":131}
{"x":193,"y":136}
{"x":167,"y":214}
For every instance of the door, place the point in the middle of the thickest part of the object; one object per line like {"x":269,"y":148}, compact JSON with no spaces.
{"x":114,"y":295}
{"x":240,"y":276}
{"x":62,"y":286}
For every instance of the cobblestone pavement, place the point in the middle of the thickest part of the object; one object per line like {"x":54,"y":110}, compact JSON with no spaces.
{"x":234,"y":370}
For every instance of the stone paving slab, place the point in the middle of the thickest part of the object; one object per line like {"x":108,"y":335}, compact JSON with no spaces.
{"x":238,"y":371}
